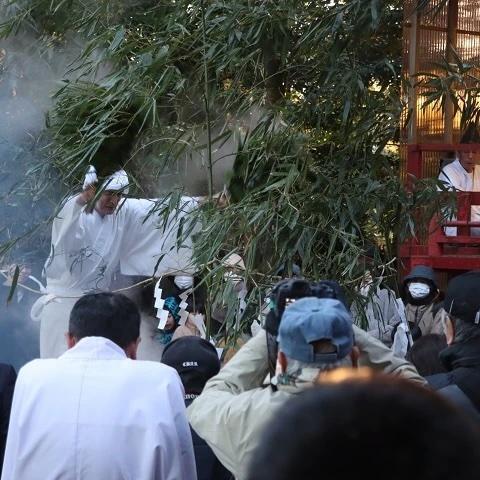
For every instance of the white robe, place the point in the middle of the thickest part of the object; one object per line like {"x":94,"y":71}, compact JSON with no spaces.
{"x":454,"y":176}
{"x":381,"y":312}
{"x":94,"y":414}
{"x":87,"y":250}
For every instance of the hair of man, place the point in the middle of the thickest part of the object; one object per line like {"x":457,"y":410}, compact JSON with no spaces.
{"x":110,"y":315}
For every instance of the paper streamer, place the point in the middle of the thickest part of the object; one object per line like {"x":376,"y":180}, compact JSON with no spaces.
{"x":163,"y":316}
{"x":183,"y":318}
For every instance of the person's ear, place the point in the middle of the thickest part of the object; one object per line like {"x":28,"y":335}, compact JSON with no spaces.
{"x":131,"y":349}
{"x":449,"y":330}
{"x":71,"y":340}
{"x":282,"y":362}
{"x":355,"y":355}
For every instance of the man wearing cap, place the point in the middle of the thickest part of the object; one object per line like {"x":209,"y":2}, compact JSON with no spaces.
{"x":421,"y":295}
{"x":315,"y":334}
{"x":97,"y":234}
{"x":461,"y":382}
{"x":196,"y":361}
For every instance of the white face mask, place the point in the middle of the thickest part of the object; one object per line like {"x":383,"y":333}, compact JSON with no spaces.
{"x":183,"y":281}
{"x":418,"y":289}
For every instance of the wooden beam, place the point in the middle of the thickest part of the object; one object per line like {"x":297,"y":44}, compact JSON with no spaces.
{"x":451,"y":46}
{"x":412,"y":70}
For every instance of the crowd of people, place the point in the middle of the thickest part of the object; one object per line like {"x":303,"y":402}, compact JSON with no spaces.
{"x":97,"y":411}
{"x":130,"y":387}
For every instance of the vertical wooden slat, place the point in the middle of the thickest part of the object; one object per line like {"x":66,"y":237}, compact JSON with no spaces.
{"x":412,"y":70}
{"x":451,"y":47}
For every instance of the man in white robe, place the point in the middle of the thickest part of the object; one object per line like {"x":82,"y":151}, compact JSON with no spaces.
{"x":463,"y":174}
{"x":96,"y":413}
{"x":89,"y":247}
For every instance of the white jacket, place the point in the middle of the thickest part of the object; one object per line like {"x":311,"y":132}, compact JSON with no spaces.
{"x":94,"y":414}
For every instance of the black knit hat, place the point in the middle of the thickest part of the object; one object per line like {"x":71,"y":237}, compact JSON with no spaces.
{"x":195,"y":359}
{"x":462,"y":298}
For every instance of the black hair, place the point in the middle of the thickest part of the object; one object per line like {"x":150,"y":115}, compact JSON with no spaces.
{"x":471,"y":134}
{"x":110,"y":315}
{"x":424,"y":354}
{"x":333,"y":430}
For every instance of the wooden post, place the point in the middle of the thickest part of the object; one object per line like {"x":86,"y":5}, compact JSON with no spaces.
{"x":412,"y":70}
{"x":452,"y":24}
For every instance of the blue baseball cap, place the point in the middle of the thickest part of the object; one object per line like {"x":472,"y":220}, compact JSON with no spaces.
{"x":311,"y":319}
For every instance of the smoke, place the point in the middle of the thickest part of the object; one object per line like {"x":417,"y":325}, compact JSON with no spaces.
{"x":29,"y":72}
{"x":191,"y":170}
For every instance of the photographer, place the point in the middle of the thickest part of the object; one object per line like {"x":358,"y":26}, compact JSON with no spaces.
{"x":314,"y":334}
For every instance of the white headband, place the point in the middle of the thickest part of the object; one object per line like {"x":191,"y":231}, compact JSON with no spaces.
{"x":116,"y":181}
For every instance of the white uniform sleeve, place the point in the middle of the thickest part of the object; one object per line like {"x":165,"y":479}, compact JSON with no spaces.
{"x":154,"y":243}
{"x":66,"y":237}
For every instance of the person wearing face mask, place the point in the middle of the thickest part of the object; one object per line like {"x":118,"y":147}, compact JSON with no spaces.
{"x":463,"y":174}
{"x":421,"y":302}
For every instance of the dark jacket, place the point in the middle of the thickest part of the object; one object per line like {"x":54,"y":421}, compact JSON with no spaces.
{"x":462,"y":361}
{"x":7,"y":384}
{"x":208,"y":466}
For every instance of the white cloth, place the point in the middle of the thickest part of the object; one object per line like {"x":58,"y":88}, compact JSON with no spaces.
{"x":90,"y":177}
{"x":118,"y":181}
{"x":381,"y":313}
{"x":95,"y":414}
{"x":183,"y":281}
{"x":454,"y":176}
{"x":418,"y":289}
{"x":88,"y":249}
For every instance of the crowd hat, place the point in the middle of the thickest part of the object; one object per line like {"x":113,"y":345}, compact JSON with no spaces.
{"x":462,"y":298}
{"x":195,"y":359}
{"x":421,"y":272}
{"x":312,"y":319}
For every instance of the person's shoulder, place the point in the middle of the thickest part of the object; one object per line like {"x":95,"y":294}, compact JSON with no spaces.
{"x":36,"y":371}
{"x":153,"y":369}
{"x":453,"y":165}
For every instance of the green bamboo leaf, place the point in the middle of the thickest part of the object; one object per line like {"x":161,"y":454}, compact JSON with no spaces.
{"x":11,"y":292}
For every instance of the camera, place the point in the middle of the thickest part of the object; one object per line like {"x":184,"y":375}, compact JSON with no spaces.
{"x":286,"y":292}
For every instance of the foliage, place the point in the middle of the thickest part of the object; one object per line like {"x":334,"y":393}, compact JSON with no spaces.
{"x":305,"y":95}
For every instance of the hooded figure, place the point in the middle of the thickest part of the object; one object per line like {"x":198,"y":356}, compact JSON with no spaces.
{"x":422,"y":302}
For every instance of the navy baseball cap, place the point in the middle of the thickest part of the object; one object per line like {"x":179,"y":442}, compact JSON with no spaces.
{"x":195,"y":360}
{"x":312,"y":319}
